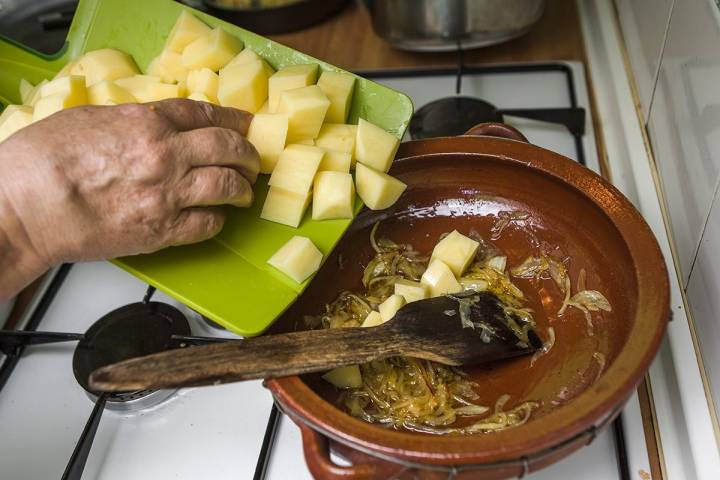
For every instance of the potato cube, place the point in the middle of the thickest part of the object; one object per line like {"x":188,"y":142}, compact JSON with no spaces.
{"x":243,"y":86}
{"x":186,"y":30}
{"x":338,"y":87}
{"x":307,"y":141}
{"x":333,"y":196}
{"x":289,"y":78}
{"x":456,"y":250}
{"x":72,"y":85}
{"x":199,"y":97}
{"x":26,"y":89}
{"x":34,"y":94}
{"x":296,"y":168}
{"x":243,"y":58}
{"x":157,"y":91}
{"x":344,"y":377}
{"x":410,"y":291}
{"x":65,"y":71}
{"x":374,"y":146}
{"x":264,"y":108}
{"x":337,"y":136}
{"x":168,"y":67}
{"x":108,"y":93}
{"x":46,"y":106}
{"x":377,"y":190}
{"x":439,"y":279}
{"x":13,"y":118}
{"x":213,"y":50}
{"x":306,"y":108}
{"x":136,"y":82}
{"x":390,"y":306}
{"x":267,"y":133}
{"x":285,"y":207}
{"x":104,"y":64}
{"x":298,"y":258}
{"x":372,"y":320}
{"x":203,"y":81}
{"x":335,"y":161}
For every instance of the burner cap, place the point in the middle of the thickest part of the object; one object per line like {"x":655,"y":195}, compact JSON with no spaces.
{"x":131,"y":331}
{"x":451,"y":116}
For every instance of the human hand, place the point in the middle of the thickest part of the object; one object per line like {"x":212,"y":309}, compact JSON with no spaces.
{"x":100,"y":182}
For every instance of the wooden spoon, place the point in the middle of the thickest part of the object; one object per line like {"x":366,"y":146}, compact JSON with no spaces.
{"x":468,"y":328}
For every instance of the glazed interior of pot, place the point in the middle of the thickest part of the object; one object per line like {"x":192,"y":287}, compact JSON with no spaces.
{"x":467,"y":192}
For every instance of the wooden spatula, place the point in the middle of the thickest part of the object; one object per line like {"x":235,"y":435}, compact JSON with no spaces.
{"x":468,"y":328}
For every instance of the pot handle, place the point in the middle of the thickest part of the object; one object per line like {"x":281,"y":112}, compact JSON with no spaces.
{"x":316,"y":448}
{"x":493,"y":129}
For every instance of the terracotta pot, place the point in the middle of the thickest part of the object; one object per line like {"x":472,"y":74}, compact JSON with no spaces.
{"x":581,"y":383}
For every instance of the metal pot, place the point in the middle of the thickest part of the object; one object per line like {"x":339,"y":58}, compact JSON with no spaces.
{"x":440,"y":25}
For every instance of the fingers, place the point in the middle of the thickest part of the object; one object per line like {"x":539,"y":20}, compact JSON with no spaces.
{"x":188,"y":115}
{"x":196,"y":224}
{"x":222,"y":147}
{"x":215,"y":186}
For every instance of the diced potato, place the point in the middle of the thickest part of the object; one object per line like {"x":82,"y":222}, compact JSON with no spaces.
{"x":65,"y":71}
{"x":157,"y":91}
{"x":13,"y":118}
{"x":264,"y":108}
{"x":285,"y":207}
{"x":267,"y":133}
{"x":199,"y":97}
{"x":104,"y":64}
{"x":244,"y":57}
{"x":456,"y":250}
{"x":338,"y":87}
{"x":108,"y":93}
{"x":26,"y":89}
{"x":46,"y":106}
{"x":345,"y":377}
{"x":168,"y":67}
{"x":333,"y":196}
{"x":306,"y":108}
{"x":307,"y":141}
{"x":374,"y":146}
{"x":372,"y":320}
{"x":296,"y":168}
{"x":186,"y":30}
{"x":203,"y":81}
{"x":337,"y":136}
{"x":34,"y":95}
{"x":136,"y":82}
{"x":410,"y":291}
{"x":390,"y":306}
{"x":498,"y":263}
{"x":439,"y":279}
{"x":298,"y":258}
{"x":288,"y":78}
{"x":378,"y":190}
{"x":335,"y":161}
{"x":72,"y":85}
{"x":213,"y":50}
{"x":243,"y":86}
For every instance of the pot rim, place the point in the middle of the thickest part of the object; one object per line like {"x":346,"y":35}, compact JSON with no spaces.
{"x":587,"y":411}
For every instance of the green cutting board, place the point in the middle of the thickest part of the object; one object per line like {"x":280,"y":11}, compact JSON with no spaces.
{"x":227,"y":279}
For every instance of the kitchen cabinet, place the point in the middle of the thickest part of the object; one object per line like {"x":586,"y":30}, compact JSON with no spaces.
{"x":702,"y":293}
{"x":684,"y":122}
{"x":643,"y":24}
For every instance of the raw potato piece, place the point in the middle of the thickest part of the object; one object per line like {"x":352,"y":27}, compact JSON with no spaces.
{"x":168,"y":67}
{"x":333,"y":196}
{"x":136,"y":82}
{"x":288,"y":78}
{"x":337,"y":136}
{"x":390,"y":306}
{"x":296,"y":168}
{"x":13,"y":118}
{"x":26,"y":89}
{"x":338,"y":87}
{"x":203,"y":81}
{"x":374,"y":146}
{"x":298,"y":258}
{"x":243,"y":86}
{"x":335,"y":161}
{"x":244,"y":57}
{"x":213,"y":50}
{"x":345,"y":377}
{"x":108,"y":93}
{"x":199,"y":97}
{"x":186,"y":30}
{"x":34,"y":94}
{"x":286,"y":208}
{"x":440,"y":280}
{"x":306,"y":108}
{"x":46,"y":106}
{"x":104,"y":64}
{"x":267,"y":133}
{"x":65,"y":71}
{"x":372,"y":320}
{"x":456,"y":250}
{"x":410,"y":291}
{"x":72,"y":86}
{"x":377,"y":190}
{"x":154,"y":92}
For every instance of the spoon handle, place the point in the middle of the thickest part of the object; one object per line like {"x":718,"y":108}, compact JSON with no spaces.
{"x":252,"y":358}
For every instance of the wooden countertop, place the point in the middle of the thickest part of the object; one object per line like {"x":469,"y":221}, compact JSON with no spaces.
{"x":348,"y":41}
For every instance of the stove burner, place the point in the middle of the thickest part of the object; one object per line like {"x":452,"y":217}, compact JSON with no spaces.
{"x":130,"y":331}
{"x":451,"y":116}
